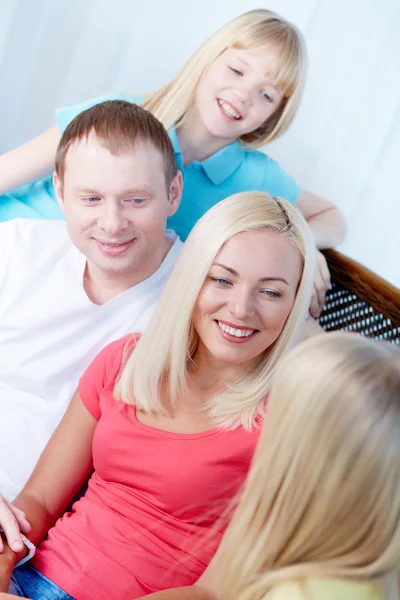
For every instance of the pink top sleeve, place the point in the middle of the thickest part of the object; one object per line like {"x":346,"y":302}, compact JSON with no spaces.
{"x":102,"y":370}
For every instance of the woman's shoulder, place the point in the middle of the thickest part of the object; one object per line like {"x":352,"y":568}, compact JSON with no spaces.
{"x":109,"y":360}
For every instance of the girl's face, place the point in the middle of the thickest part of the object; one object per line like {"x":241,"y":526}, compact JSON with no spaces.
{"x":246,"y":298}
{"x":238,"y":92}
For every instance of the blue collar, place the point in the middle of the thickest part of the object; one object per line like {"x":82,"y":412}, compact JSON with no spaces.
{"x":218,"y":166}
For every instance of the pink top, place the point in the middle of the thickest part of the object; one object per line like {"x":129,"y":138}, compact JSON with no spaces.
{"x":149,"y":519}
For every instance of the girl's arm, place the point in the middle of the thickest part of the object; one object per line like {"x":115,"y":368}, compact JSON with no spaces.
{"x":328,"y":228}
{"x":29,"y":162}
{"x":324,"y":218}
{"x":60,"y":473}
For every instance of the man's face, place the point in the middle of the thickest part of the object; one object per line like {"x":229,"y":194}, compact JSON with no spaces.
{"x":116,"y":207}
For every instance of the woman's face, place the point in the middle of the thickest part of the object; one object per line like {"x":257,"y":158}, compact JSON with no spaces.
{"x":247,"y":297}
{"x":238,"y":93}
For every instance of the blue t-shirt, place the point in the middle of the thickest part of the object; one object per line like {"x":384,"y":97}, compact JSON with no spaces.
{"x":231,"y":170}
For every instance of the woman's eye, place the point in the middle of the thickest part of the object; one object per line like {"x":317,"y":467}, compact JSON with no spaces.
{"x":236,"y":71}
{"x":221,"y":281}
{"x":271,"y":293}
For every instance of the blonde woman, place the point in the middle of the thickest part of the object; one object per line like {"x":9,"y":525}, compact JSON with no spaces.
{"x":319,"y":518}
{"x":240,"y":90}
{"x":168,"y":421}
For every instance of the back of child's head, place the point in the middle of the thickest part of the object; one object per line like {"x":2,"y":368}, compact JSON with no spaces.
{"x":323,"y":495}
{"x":119,"y":126}
{"x":253,"y":29}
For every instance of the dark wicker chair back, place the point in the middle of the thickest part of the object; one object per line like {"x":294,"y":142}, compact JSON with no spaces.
{"x":360,"y":301}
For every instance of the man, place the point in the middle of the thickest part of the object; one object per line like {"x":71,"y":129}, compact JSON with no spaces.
{"x":69,"y":288}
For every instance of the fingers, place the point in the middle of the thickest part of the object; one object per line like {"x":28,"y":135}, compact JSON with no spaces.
{"x":22,"y":521}
{"x":10,"y":526}
{"x":314,"y":305}
{"x":321,"y":286}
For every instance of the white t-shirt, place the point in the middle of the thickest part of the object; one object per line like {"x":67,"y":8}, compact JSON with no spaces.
{"x":50,"y":331}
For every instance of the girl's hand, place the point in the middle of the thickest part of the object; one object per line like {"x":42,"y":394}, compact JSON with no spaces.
{"x":12,"y":521}
{"x":321,"y":285}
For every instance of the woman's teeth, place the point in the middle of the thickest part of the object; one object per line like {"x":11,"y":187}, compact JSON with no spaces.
{"x":236,"y":332}
{"x":229,"y":110}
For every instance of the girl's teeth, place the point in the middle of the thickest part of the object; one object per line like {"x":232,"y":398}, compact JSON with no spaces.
{"x":236,"y":332}
{"x":228,"y":110}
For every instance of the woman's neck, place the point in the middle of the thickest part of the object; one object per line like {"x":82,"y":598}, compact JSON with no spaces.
{"x":212,"y":376}
{"x":195,"y":142}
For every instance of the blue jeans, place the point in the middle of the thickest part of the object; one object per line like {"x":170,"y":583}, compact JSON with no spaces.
{"x":27,"y":581}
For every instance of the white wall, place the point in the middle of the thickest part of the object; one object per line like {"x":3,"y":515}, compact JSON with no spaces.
{"x":345,"y":143}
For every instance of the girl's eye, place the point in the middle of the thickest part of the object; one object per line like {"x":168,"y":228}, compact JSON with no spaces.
{"x":91,"y":199}
{"x":221,"y":281}
{"x":236,"y":71}
{"x":266,"y":96}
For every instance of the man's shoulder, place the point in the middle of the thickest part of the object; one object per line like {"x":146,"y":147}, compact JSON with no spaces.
{"x":33,"y":236}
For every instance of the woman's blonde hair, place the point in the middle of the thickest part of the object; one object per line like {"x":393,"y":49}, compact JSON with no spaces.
{"x":251,"y":30}
{"x":157,"y":370}
{"x":323,"y":495}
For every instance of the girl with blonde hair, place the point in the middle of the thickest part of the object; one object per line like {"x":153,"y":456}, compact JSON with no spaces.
{"x":168,"y":421}
{"x":319,"y":518}
{"x":240,"y":90}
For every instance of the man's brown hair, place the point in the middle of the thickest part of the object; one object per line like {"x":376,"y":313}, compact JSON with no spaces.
{"x":119,"y":126}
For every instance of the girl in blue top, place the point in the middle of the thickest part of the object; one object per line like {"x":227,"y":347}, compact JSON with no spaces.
{"x":240,"y":90}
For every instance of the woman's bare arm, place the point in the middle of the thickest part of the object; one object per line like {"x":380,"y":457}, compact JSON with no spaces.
{"x":29,"y":162}
{"x":60,"y":473}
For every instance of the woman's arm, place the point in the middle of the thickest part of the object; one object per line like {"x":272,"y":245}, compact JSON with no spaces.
{"x":324,"y":218}
{"x":60,"y":473}
{"x":29,"y":162}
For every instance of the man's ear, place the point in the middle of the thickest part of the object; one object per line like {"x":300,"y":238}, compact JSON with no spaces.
{"x":175,"y":193}
{"x":58,"y":187}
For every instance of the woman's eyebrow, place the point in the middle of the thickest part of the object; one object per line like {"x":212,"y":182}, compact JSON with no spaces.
{"x":262,"y":279}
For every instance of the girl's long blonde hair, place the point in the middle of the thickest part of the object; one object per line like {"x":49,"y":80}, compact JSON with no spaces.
{"x":250,"y":30}
{"x":323,"y":495}
{"x":158,"y":367}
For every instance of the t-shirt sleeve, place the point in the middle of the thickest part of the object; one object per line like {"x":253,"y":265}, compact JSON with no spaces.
{"x":279,"y":183}
{"x":66,"y":114}
{"x":103,"y":370}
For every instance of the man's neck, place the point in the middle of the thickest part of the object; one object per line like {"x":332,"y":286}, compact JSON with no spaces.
{"x":102,"y":286}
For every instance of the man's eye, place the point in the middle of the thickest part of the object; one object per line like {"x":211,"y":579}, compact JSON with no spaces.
{"x":136,"y":201}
